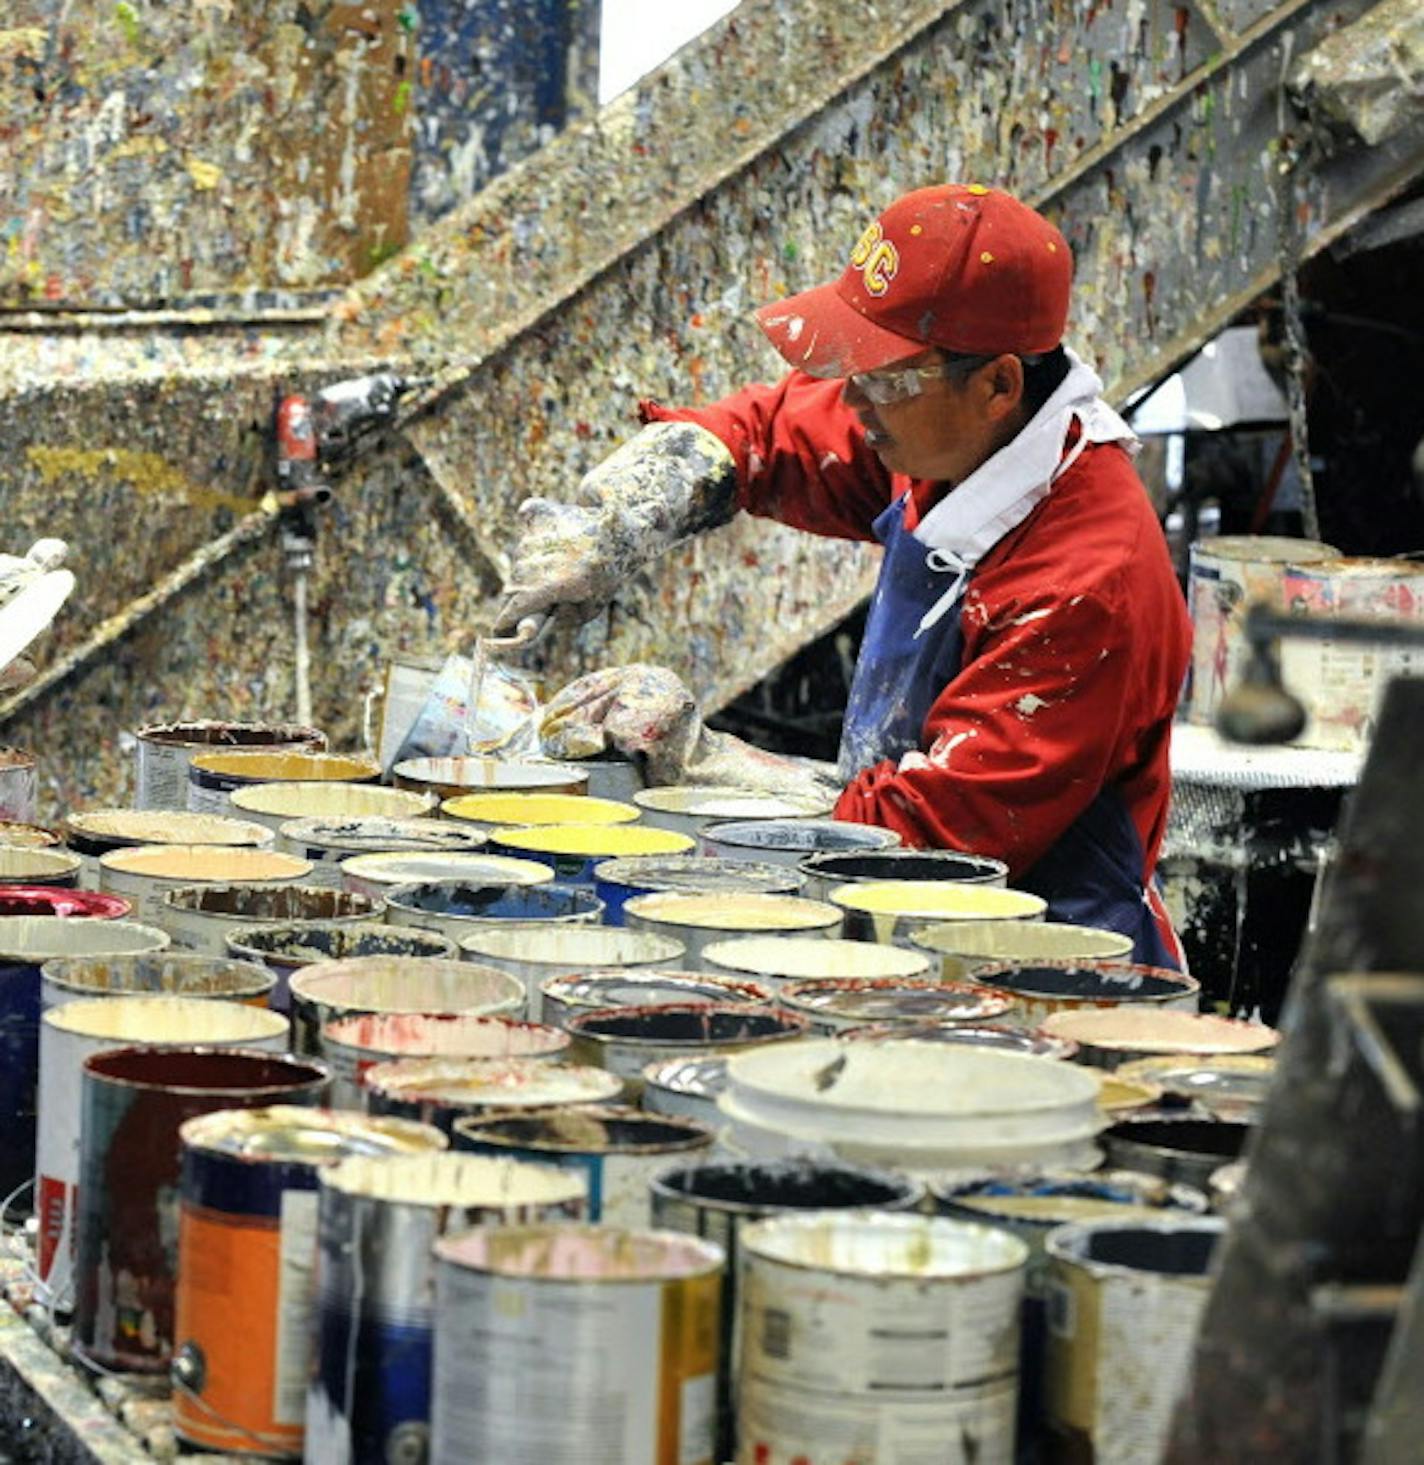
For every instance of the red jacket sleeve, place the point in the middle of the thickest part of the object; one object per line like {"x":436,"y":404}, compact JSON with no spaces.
{"x":801,"y":455}
{"x":1021,"y":741}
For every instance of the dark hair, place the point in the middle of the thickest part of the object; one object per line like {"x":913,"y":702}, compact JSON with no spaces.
{"x":1043,"y":375}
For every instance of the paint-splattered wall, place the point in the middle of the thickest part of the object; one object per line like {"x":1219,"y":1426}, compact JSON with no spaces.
{"x":623,"y":261}
{"x":158,"y":151}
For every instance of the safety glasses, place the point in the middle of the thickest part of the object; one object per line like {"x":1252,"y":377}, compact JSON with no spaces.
{"x":886,"y":386}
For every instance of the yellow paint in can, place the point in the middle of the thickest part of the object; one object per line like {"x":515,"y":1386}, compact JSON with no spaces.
{"x":879,"y":909}
{"x":289,"y":767}
{"x":527,"y":809}
{"x":594,"y":841}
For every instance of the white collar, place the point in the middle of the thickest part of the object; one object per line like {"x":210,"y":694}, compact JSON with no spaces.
{"x":1001,"y":493}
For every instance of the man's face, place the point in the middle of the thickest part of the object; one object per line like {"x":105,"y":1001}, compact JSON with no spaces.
{"x":949,"y":425}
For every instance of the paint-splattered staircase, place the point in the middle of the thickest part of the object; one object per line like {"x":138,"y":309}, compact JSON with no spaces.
{"x":620,"y":261}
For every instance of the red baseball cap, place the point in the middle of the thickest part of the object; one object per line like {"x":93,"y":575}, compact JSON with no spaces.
{"x":960,"y":266}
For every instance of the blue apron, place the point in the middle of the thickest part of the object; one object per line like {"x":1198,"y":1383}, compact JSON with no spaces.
{"x":1093,"y":875}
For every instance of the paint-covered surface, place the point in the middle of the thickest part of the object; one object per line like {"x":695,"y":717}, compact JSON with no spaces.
{"x":744,"y":168}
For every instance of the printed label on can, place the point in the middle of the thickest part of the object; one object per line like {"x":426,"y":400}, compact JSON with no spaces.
{"x":162,"y":775}
{"x":296,"y":1304}
{"x":1147,"y":1328}
{"x":508,"y":1349}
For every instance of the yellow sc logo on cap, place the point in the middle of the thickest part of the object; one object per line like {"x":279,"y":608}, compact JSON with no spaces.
{"x":877,"y":260}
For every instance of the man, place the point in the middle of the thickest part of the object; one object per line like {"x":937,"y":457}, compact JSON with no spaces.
{"x":1027,"y":640}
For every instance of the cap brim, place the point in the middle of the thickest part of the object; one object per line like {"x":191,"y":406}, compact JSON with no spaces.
{"x":818,"y":333}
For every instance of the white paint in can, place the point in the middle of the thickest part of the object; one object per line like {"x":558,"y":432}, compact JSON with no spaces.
{"x":868,"y":1336}
{"x":72,"y":1032}
{"x":573,"y":1344}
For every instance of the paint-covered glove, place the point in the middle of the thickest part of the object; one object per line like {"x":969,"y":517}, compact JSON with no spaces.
{"x":669,"y":481}
{"x":19,"y":573}
{"x":649,"y":715}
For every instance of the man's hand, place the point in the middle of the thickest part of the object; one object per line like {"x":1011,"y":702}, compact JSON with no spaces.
{"x":561,"y":562}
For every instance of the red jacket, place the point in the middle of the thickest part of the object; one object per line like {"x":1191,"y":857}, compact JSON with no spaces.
{"x":1076,"y":636}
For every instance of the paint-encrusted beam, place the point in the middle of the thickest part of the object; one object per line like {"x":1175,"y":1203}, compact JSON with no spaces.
{"x":624,"y":262}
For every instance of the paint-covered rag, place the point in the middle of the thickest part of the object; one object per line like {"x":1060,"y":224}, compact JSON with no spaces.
{"x":648,"y":714}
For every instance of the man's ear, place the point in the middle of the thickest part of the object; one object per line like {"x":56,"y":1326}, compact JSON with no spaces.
{"x":1003,"y":380}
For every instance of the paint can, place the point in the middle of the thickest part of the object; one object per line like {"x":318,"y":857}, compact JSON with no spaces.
{"x":457,"y":908}
{"x":697,"y":920}
{"x":96,"y":833}
{"x":1039,"y":989}
{"x":283,"y":950}
{"x":847,"y":1002}
{"x":379,"y":874}
{"x":378,"y":1222}
{"x":1225,"y":577}
{"x":55,"y":869}
{"x":491,"y":811}
{"x":837,"y":1316}
{"x":1116,"y":1036}
{"x":957,"y":944}
{"x":521,"y":1314}
{"x":535,"y":954}
{"x":69,"y":1034}
{"x":439,"y":1091}
{"x":449,"y":778}
{"x":612,"y":776}
{"x":46,"y":902}
{"x":993,"y":1036}
{"x":17,"y":835}
{"x":717,"y":1201}
{"x":213,"y":777}
{"x":616,"y":882}
{"x":274,"y":804}
{"x":891,"y":911}
{"x":1342,"y":685}
{"x":824,"y":872}
{"x":1223,"y":1087}
{"x":686,"y":1087}
{"x":691,"y":808}
{"x":1184,"y":1149}
{"x":1125,"y":1300}
{"x":146,"y":873}
{"x":19,"y":785}
{"x":246,"y":1304}
{"x":163,"y":752}
{"x":202,"y":916}
{"x":133,"y":1103}
{"x":327,"y":990}
{"x":564,"y":997}
{"x":353,"y":1045}
{"x":1031,"y":1205}
{"x":574,"y":851}
{"x":624,"y":1040}
{"x":787,"y":842}
{"x":26,"y":944}
{"x":776,"y":960}
{"x":617,"y":1150}
{"x":327,"y":842}
{"x":922,"y":1107}
{"x":160,"y":974}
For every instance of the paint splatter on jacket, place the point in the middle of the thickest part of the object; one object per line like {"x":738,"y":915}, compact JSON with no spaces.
{"x":1076,"y":637}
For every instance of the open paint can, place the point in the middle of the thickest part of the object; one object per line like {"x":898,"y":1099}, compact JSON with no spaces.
{"x":521,"y":1314}
{"x":616,"y":882}
{"x":163,"y":752}
{"x":247,"y":1243}
{"x":202,"y":916}
{"x":378,"y":1221}
{"x":133,"y":1103}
